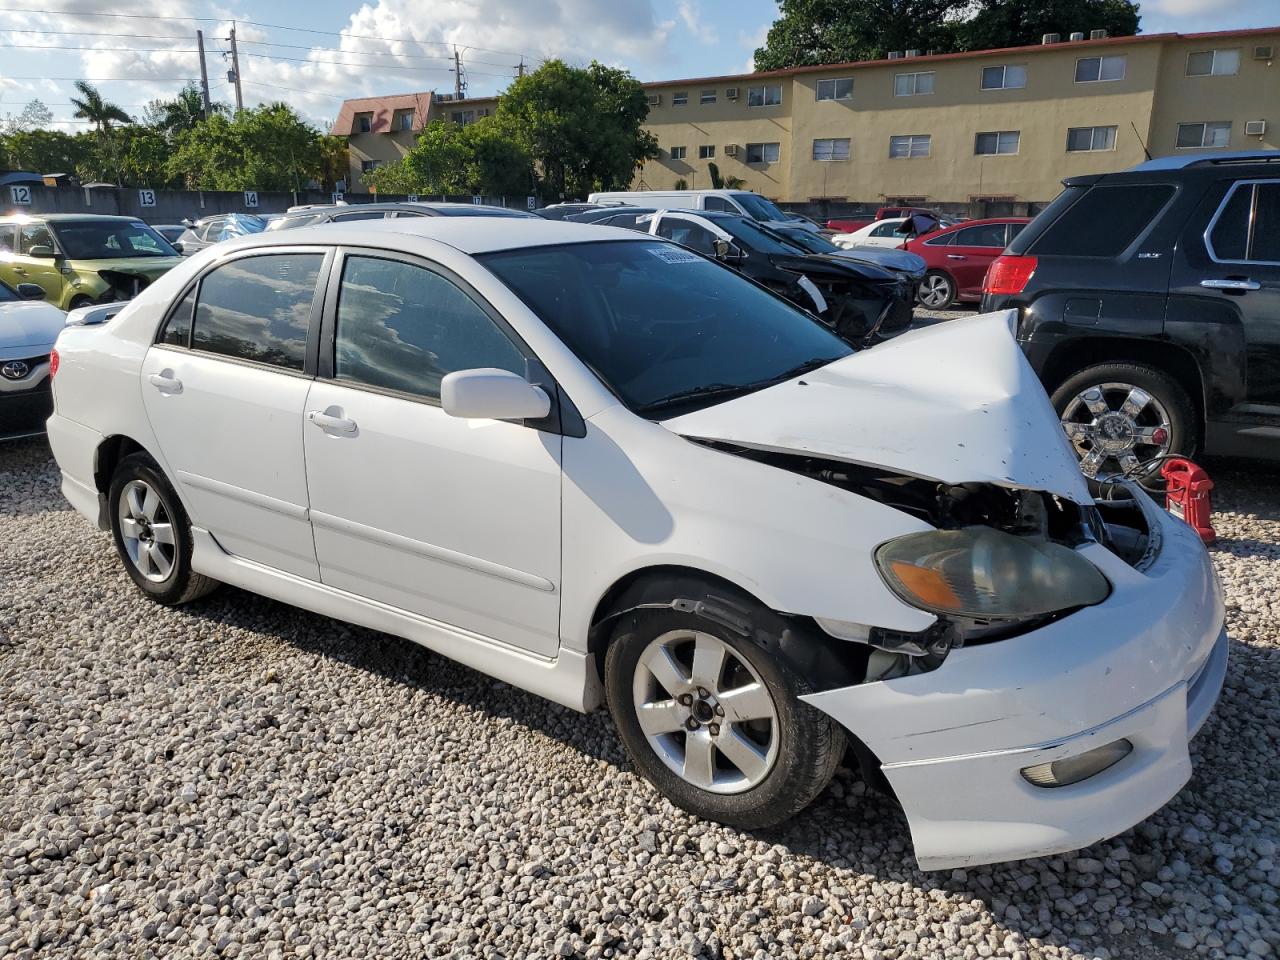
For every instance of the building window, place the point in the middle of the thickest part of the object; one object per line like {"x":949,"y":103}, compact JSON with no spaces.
{"x":1213,"y":63}
{"x":762,"y":152}
{"x":1094,"y":69}
{"x":913,"y":84}
{"x":706,"y":152}
{"x":1216,"y":133}
{"x":678,"y":153}
{"x":403,"y":120}
{"x":839,"y":89}
{"x":767,"y":96}
{"x":835,"y":148}
{"x":907,"y":147}
{"x":364,"y":122}
{"x":1082,"y":139}
{"x":999,"y":143}
{"x":1004,"y":77}
{"x":367,"y":165}
{"x":680,"y":99}
{"x":707,"y":96}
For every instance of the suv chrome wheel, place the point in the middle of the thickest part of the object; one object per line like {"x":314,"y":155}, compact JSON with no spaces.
{"x":1117,"y":426}
{"x":146,"y":531}
{"x":705,"y":712}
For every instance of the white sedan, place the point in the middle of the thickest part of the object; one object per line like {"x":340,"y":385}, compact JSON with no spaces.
{"x":606,"y":469}
{"x":882,"y":233}
{"x":28,"y":328}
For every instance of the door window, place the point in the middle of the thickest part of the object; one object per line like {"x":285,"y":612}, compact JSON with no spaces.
{"x":886,"y":230}
{"x":689,"y":234}
{"x":34,"y":235}
{"x":258,"y":308}
{"x":718,"y":203}
{"x":177,"y":329}
{"x":985,"y":235}
{"x":402,"y":327}
{"x":1247,"y":227}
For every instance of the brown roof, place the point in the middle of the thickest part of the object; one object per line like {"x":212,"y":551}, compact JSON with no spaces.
{"x":383,"y":109}
{"x":968,"y":54}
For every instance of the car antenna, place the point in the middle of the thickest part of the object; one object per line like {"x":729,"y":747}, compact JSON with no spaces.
{"x":1140,"y":140}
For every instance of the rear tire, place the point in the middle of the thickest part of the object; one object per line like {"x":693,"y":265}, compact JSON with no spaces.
{"x":756,"y":755}
{"x":153,"y":534}
{"x":937,"y":291}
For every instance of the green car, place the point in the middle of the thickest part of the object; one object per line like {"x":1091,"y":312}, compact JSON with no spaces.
{"x":81,"y":259}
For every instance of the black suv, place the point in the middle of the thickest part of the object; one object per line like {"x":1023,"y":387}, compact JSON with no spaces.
{"x":1149,"y":305}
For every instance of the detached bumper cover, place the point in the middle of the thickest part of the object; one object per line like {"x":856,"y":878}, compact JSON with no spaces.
{"x":1147,"y":665}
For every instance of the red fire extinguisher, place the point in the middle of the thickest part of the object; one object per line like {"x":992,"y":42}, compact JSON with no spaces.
{"x":1187,"y":495}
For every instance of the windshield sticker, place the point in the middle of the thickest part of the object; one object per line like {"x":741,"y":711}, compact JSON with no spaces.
{"x":674,"y":255}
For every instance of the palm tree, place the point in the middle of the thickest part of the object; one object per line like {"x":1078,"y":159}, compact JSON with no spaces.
{"x":92,"y":107}
{"x":181,"y":113}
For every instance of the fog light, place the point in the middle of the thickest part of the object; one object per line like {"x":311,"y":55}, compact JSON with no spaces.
{"x":1060,"y":773}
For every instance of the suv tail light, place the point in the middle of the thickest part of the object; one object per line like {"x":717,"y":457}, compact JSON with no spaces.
{"x":1008,"y":274}
{"x":53,"y":363}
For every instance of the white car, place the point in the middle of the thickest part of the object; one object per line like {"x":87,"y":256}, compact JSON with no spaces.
{"x":882,"y":233}
{"x":605,"y":469}
{"x":28,"y":328}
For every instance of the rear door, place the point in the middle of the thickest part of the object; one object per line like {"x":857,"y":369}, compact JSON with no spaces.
{"x":225,"y":386}
{"x":972,"y":252}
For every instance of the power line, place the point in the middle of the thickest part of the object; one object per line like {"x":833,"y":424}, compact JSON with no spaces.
{"x":276,"y":86}
{"x":361,"y":53}
{"x":107,"y":79}
{"x":40,"y":46}
{"x":90,"y":33}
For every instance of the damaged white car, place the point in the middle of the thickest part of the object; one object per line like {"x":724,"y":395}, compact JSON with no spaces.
{"x":608,"y":470}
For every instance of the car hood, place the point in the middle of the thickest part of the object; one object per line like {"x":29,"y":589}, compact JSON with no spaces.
{"x":886,"y":257}
{"x":956,"y":403}
{"x":30,"y":323}
{"x":830,"y":266}
{"x":149,"y":267}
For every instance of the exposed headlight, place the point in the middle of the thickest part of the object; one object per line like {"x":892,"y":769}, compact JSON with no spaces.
{"x":982,"y":573}
{"x":1062,"y":773}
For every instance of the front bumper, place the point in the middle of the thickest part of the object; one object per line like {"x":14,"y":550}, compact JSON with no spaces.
{"x":25,"y":404}
{"x":1147,"y":664}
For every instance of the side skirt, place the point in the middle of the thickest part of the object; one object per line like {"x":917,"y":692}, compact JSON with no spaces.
{"x":569,"y":679}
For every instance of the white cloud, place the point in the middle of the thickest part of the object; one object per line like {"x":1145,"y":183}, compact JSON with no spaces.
{"x":691,"y":14}
{"x":1187,"y":8}
{"x":752,"y":42}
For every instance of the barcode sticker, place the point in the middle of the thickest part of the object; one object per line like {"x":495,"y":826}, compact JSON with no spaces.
{"x":674,"y":255}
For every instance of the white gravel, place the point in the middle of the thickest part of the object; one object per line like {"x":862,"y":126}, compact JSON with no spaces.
{"x":239,"y":778}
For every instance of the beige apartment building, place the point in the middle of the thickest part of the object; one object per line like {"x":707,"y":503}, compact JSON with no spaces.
{"x":996,"y":128}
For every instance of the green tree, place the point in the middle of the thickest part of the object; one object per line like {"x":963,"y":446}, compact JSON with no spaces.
{"x":34,"y":116}
{"x":437,"y":163}
{"x":181,"y":113}
{"x":1014,"y":23}
{"x":266,"y":148}
{"x":499,"y":166}
{"x":833,"y":31}
{"x":48,"y":151}
{"x":144,"y":156}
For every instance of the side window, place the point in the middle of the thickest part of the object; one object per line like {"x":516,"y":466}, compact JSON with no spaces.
{"x":689,"y":234}
{"x":7,"y":234}
{"x":1104,"y":221}
{"x":33,"y":235}
{"x":946,"y":240}
{"x":986,"y":235}
{"x":403,"y":327}
{"x":210,"y":231}
{"x":718,"y":203}
{"x":359,"y":215}
{"x":258,"y":308}
{"x":886,"y":230}
{"x":177,"y":329}
{"x":1248,"y":225}
{"x":1014,"y":230}
{"x":409,"y":213}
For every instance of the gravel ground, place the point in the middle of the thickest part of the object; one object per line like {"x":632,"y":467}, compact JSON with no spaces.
{"x":239,"y":778}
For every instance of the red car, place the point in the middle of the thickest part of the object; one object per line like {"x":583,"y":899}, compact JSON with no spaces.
{"x":957,"y":258}
{"x":850,"y":224}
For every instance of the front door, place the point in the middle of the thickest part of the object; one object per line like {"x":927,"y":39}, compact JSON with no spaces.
{"x":224,"y":387}
{"x":455,"y":520}
{"x":44,"y":271}
{"x":971,"y":253}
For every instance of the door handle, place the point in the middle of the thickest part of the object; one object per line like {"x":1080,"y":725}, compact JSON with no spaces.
{"x":1241,"y":284}
{"x":165,"y":383}
{"x":956,"y":256}
{"x":330,"y":423}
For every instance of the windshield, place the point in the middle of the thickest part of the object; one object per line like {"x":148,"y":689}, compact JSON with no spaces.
{"x":811,"y":242}
{"x":110,"y":240}
{"x":755,"y":236}
{"x":759,"y":207}
{"x":668,"y":331}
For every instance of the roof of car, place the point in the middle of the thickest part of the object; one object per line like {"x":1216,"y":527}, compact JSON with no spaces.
{"x":471,"y":235}
{"x":1208,"y":158}
{"x":63,"y":217}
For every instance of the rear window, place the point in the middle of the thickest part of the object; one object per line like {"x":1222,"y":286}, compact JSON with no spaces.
{"x":1103,"y":222}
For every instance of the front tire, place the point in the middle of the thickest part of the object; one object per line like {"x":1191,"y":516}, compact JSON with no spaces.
{"x":152,"y":533}
{"x":937,"y":291}
{"x":714,"y":721}
{"x":78,"y":302}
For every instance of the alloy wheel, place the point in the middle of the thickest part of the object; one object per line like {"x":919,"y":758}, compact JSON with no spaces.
{"x":1116,"y":427}
{"x":935,"y":290}
{"x":147,"y":531}
{"x":706,"y":712}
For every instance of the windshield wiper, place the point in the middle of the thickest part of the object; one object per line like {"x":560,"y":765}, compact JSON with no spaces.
{"x":706,"y":391}
{"x":813,"y":363}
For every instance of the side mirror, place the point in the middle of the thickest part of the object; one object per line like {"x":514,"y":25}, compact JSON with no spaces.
{"x":177,"y":245}
{"x":492,"y":394}
{"x":31,"y":291}
{"x":42,"y":252}
{"x":725,"y":251}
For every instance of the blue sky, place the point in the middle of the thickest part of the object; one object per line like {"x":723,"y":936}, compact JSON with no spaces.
{"x":340,"y":54}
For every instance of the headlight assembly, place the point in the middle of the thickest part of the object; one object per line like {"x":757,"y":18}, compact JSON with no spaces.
{"x":984,"y":574}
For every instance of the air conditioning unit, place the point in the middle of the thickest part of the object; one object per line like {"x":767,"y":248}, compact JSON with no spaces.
{"x":655,"y":99}
{"x":1077,"y":36}
{"x":1264,"y":53}
{"x":895,"y":54}
{"x":731,"y":93}
{"x":443,"y":96}
{"x":1255,"y":128}
{"x":1097,"y":34}
{"x":730,"y":149}
{"x":913,"y":53}
{"x":1049,"y":38}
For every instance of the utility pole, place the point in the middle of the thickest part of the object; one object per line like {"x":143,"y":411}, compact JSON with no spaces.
{"x":457,"y":74}
{"x":520,"y":70}
{"x":235,"y":70}
{"x":204,"y":74}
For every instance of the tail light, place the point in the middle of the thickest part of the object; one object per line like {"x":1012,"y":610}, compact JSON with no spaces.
{"x":1008,"y":274}
{"x":53,"y":363}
